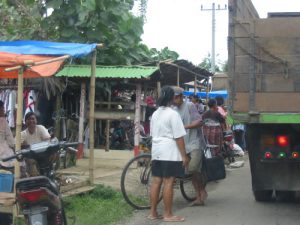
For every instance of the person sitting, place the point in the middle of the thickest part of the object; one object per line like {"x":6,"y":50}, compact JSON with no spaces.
{"x":7,"y":141}
{"x":31,"y":135}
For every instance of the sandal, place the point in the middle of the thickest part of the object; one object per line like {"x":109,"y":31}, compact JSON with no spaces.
{"x":158,"y":217}
{"x":173,"y":219}
{"x":200,"y":203}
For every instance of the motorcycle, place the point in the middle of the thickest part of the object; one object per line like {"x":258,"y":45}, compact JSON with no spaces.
{"x":227,"y":146}
{"x":39,"y":197}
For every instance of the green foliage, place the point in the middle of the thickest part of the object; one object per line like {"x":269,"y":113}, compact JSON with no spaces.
{"x":110,"y":22}
{"x":102,"y":206}
{"x":219,"y":67}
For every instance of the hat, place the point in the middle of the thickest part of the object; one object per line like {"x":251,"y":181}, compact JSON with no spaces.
{"x":177,"y":90}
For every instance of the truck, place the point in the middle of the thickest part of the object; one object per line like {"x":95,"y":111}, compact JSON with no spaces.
{"x":264,"y":94}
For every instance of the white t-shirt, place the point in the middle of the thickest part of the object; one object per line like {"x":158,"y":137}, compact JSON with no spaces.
{"x":40,"y":134}
{"x":165,"y":126}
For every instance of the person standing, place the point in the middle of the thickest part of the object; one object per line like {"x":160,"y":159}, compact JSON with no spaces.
{"x":169,"y":158}
{"x":214,"y":125}
{"x":194,"y":143}
{"x":198,"y":103}
{"x":7,"y":141}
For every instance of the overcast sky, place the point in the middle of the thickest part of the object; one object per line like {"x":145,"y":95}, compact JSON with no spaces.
{"x":184,"y":28}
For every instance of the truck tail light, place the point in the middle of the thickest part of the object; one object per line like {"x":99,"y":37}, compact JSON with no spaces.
{"x":282,"y":155}
{"x":268,"y":155}
{"x":282,"y":140}
{"x":295,"y":155}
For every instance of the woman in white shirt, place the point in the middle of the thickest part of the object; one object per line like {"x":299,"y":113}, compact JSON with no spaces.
{"x":169,"y":157}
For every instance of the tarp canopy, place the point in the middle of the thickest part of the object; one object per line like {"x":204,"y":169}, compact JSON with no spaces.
{"x":211,"y":94}
{"x":16,"y":53}
{"x":75,"y":50}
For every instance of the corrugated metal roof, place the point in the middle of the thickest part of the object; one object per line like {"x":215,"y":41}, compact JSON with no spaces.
{"x":136,"y":72}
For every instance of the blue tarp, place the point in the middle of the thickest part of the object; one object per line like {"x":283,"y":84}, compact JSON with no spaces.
{"x":75,"y":50}
{"x":211,"y":94}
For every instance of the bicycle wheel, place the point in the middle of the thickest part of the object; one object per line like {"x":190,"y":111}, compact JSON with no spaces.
{"x":187,"y":189}
{"x":136,"y":180}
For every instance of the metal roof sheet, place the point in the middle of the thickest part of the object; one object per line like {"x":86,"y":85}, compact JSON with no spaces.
{"x":136,"y":72}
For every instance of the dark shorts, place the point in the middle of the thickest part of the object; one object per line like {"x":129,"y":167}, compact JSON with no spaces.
{"x":167,"y":168}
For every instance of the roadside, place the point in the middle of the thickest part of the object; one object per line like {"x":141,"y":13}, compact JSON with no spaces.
{"x":108,"y":169}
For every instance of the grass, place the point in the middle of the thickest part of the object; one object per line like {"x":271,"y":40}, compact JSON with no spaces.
{"x":102,"y":206}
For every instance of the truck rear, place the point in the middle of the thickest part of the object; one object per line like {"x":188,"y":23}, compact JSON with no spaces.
{"x":264,"y":82}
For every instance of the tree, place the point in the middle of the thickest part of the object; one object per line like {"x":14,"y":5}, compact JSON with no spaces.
{"x":206,"y":64}
{"x":110,"y":22}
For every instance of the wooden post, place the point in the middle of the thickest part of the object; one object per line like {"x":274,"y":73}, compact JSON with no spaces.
{"x":81,"y":120}
{"x":18,"y":132}
{"x":108,"y":124}
{"x":58,"y":120}
{"x":137,"y":119}
{"x":158,"y":88}
{"x":91,"y":117}
{"x":195,"y":86}
{"x":178,"y":75}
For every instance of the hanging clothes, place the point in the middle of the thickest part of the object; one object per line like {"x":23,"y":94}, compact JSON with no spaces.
{"x":12,"y":100}
{"x":29,"y":100}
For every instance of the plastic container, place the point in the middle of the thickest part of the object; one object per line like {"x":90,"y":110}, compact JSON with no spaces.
{"x":6,"y":182}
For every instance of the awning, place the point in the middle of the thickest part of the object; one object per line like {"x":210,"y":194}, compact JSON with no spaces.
{"x":47,"y":48}
{"x":16,"y":53}
{"x":108,"y":72}
{"x":10,"y":60}
{"x":211,"y":94}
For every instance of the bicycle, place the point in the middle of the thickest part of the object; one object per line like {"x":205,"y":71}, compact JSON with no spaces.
{"x":136,"y":181}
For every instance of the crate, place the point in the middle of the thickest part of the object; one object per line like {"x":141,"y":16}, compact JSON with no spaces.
{"x":6,"y":182}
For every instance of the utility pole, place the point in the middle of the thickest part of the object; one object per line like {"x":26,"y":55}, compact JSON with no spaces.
{"x":213,"y":10}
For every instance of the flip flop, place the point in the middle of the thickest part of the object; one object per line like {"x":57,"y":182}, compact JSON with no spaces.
{"x":150,"y":217}
{"x":173,"y":219}
{"x":196,"y":204}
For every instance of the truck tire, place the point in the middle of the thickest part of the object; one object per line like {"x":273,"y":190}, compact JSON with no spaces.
{"x":263,"y":196}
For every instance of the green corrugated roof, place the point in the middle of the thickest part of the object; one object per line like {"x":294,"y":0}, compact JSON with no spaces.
{"x":136,"y":72}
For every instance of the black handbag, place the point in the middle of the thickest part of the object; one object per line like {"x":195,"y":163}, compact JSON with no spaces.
{"x":214,"y":168}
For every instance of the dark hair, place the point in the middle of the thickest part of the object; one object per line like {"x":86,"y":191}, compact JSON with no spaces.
{"x":1,"y":104}
{"x":166,"y":96}
{"x":220,"y":100}
{"x":211,"y":103}
{"x":29,"y":114}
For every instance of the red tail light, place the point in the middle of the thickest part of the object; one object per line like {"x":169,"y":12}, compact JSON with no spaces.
{"x":282,"y":140}
{"x":33,"y":196}
{"x":228,"y":138}
{"x":295,"y":155}
{"x":268,"y":155}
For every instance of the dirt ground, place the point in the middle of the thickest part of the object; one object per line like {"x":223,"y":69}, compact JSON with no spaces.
{"x":108,"y":167}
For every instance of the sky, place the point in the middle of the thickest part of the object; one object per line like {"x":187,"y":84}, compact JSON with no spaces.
{"x":181,"y":26}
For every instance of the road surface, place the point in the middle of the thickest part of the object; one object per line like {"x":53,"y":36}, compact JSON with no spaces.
{"x":230,"y":202}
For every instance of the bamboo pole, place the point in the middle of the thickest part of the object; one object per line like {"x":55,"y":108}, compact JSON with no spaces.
{"x":178,"y":77}
{"x":108,"y":123}
{"x":30,"y":63}
{"x":158,"y":88}
{"x":81,"y":119}
{"x":91,"y":117}
{"x":137,"y":119}
{"x":18,"y":131}
{"x":195,"y":86}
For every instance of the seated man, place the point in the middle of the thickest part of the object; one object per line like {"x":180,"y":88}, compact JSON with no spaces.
{"x":31,"y":135}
